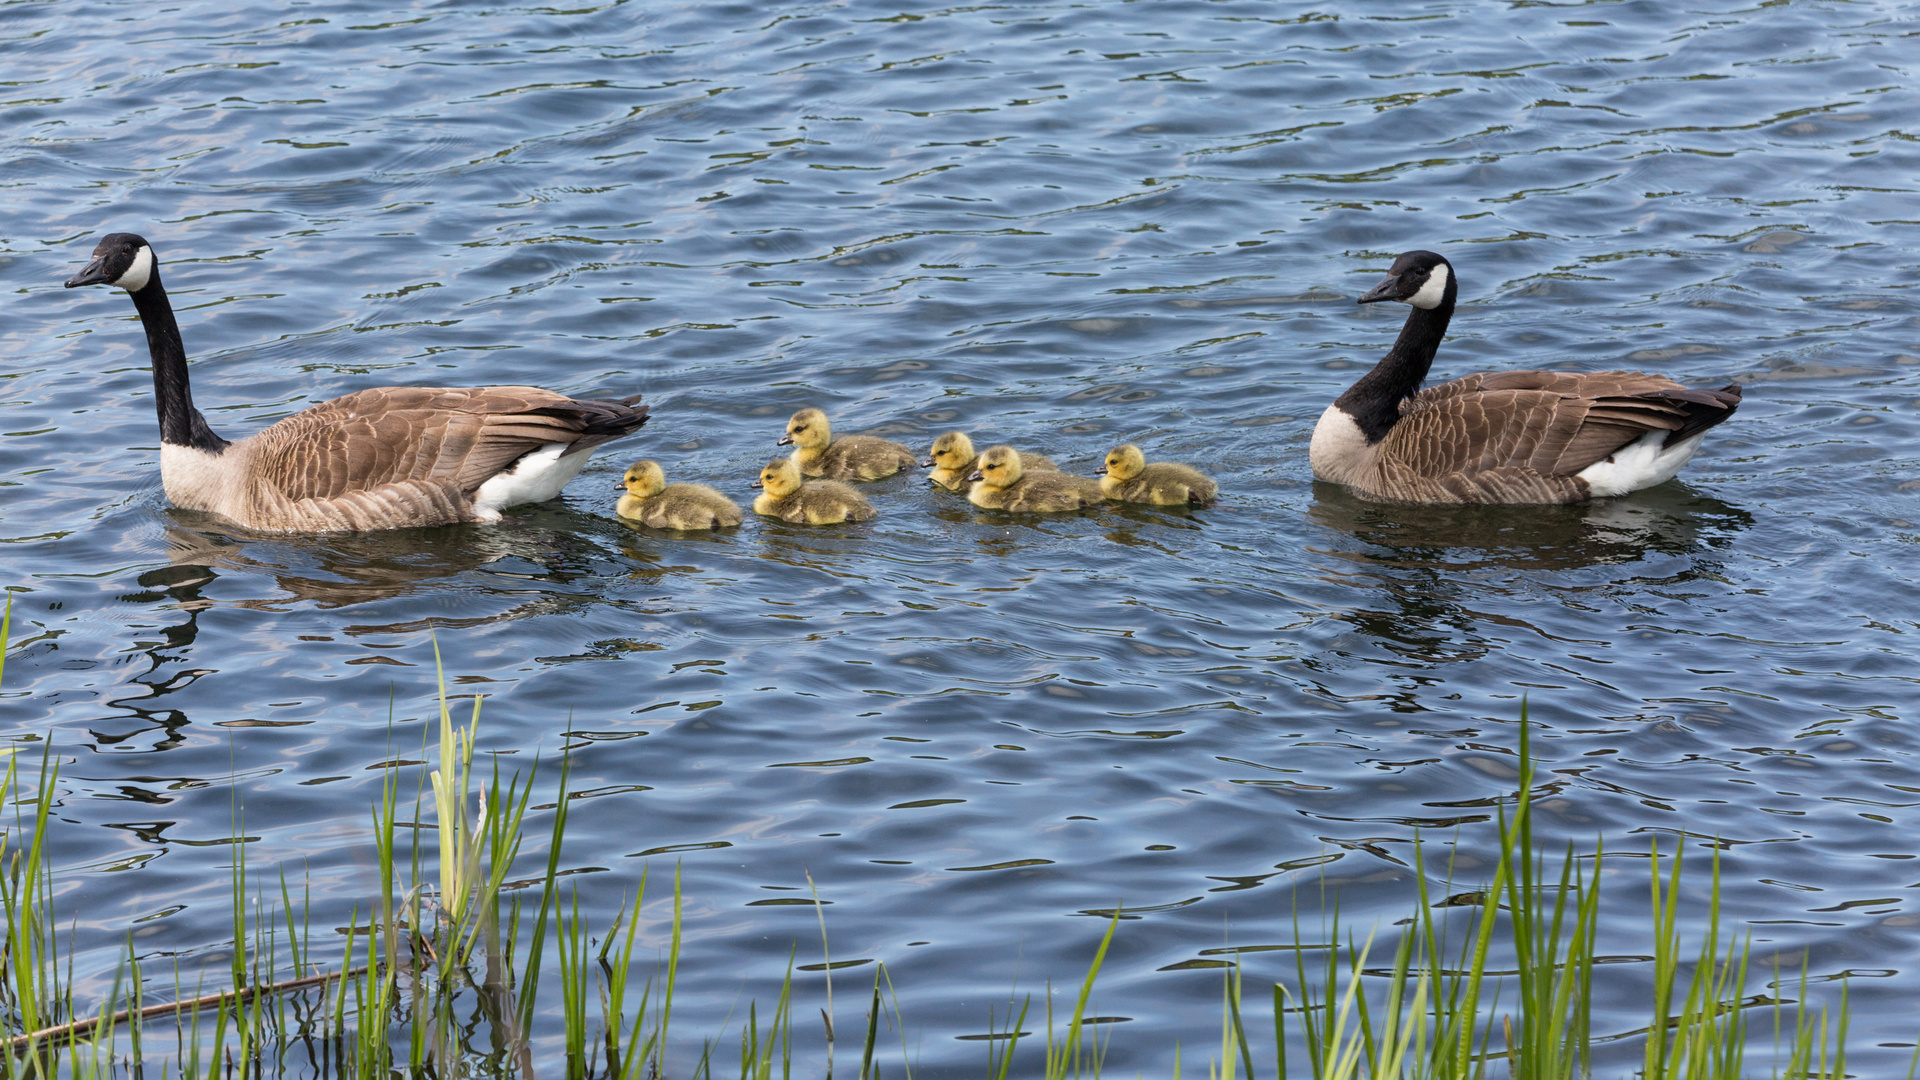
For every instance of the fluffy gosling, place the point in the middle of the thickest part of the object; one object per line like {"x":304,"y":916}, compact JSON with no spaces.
{"x":787,"y":496}
{"x":952,"y":459}
{"x":1002,"y":483}
{"x":850,"y":457}
{"x":1128,"y":478}
{"x":653,"y":502}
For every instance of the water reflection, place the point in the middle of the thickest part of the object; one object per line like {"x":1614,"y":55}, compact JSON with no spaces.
{"x":345,"y":570}
{"x":179,"y":587}
{"x":1447,"y":576}
{"x":1670,"y":520}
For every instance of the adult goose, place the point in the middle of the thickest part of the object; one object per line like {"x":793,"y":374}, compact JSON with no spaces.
{"x":384,"y":458}
{"x":1501,"y":437}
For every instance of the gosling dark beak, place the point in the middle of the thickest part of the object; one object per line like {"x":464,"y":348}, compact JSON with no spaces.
{"x":785,"y":440}
{"x":927,"y":464}
{"x":976,"y":476}
{"x":756,"y":483}
{"x":94,"y":274}
{"x":1390,"y":289}
{"x":1101,"y":471}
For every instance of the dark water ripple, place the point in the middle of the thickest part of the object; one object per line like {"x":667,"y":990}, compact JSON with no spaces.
{"x":1062,"y":225}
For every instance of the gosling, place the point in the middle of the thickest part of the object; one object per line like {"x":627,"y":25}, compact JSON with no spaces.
{"x":1002,"y":483}
{"x":850,"y":457}
{"x":651,"y":501}
{"x":953,"y":456}
{"x":819,"y":502}
{"x":1128,"y":478}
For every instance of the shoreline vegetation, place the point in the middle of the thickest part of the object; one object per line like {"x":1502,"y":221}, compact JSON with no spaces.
{"x":453,"y":969}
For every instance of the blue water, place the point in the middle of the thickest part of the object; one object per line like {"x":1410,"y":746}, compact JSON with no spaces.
{"x":1060,"y":225}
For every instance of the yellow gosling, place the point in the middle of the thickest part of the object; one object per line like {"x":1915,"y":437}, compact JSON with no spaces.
{"x":1002,"y":483}
{"x":1164,"y":483}
{"x":850,"y":457}
{"x":789,"y":497}
{"x":952,"y":461}
{"x":653,"y":502}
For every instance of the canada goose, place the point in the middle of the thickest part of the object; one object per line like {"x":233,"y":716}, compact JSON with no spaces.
{"x":1164,"y":483}
{"x":952,"y":458}
{"x":789,"y":497}
{"x":850,"y":457}
{"x":651,"y":501}
{"x":1501,"y":437}
{"x":383,"y":458}
{"x":1002,"y":483}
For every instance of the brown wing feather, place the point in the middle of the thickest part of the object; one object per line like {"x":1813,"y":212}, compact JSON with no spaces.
{"x":1554,"y":423}
{"x":453,"y":437}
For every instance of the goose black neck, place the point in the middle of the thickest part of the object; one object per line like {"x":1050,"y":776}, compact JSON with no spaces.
{"x":180,"y":423}
{"x":1374,"y":401}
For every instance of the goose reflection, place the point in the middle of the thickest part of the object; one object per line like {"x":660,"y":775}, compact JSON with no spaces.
{"x":1669,"y":520}
{"x":1441,"y":568}
{"x":346,"y":570}
{"x":145,"y":696}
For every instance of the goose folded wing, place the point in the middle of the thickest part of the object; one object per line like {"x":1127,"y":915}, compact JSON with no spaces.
{"x":459,"y":438}
{"x":1551,"y":423}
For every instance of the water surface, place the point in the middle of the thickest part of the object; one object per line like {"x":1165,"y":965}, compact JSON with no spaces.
{"x":1060,"y":225}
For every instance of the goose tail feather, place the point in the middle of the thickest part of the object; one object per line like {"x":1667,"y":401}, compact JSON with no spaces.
{"x":1712,"y":407}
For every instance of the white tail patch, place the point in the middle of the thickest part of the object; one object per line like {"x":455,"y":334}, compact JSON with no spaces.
{"x":1640,"y":464}
{"x":536,"y":477}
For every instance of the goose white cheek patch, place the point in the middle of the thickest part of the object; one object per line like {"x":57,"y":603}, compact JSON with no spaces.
{"x":138,"y":274}
{"x":1433,"y":291}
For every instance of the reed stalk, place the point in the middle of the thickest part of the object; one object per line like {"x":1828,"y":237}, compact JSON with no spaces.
{"x":449,"y":953}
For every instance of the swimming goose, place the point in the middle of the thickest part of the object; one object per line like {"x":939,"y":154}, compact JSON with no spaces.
{"x":952,"y":458}
{"x":1501,"y":437}
{"x":1164,"y":483}
{"x":653,"y":502}
{"x":807,"y":502}
{"x":850,"y":457}
{"x":1002,"y":483}
{"x":384,"y":458}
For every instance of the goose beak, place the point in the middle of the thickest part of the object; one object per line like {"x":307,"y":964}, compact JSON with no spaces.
{"x":785,"y":440}
{"x":756,"y":483}
{"x":94,"y":274}
{"x":1385,"y":291}
{"x":1390,"y":289}
{"x":927,"y":464}
{"x":976,"y":475}
{"x":1101,"y":471}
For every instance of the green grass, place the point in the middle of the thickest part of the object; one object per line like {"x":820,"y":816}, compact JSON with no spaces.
{"x":449,"y":972}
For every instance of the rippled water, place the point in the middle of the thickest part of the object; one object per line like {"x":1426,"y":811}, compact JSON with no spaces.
{"x":1060,"y":225}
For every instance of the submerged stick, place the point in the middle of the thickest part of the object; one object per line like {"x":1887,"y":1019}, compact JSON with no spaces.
{"x":75,"y":1028}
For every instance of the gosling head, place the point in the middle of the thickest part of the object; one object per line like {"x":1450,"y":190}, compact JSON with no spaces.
{"x":952,"y":450}
{"x":999,"y":467}
{"x":808,"y":430}
{"x":644,"y":480}
{"x":122,"y":260}
{"x":1420,"y":278}
{"x":1124,"y":462}
{"x":779,"y":479}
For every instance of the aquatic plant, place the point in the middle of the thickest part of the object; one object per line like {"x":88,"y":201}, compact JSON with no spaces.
{"x":447,"y":957}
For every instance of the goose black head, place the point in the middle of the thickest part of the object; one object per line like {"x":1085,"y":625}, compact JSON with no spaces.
{"x":123,"y":260}
{"x":1420,"y":278}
